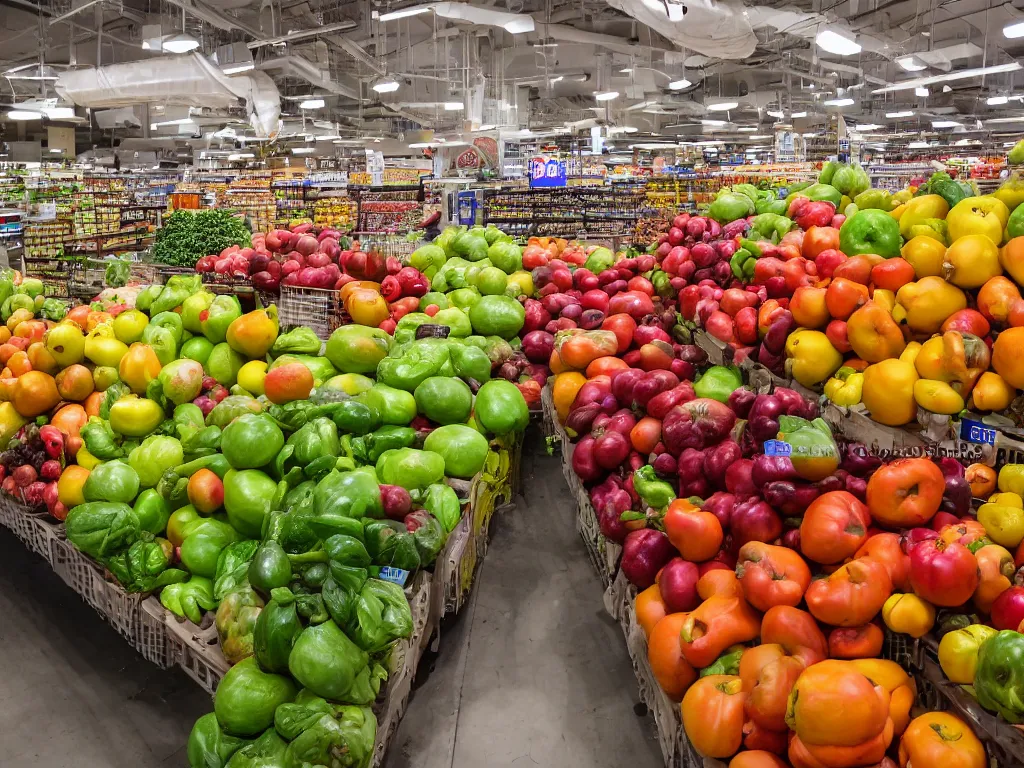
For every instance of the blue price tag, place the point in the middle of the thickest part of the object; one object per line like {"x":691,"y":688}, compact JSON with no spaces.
{"x":777,"y":448}
{"x":394,"y":575}
{"x":976,"y":432}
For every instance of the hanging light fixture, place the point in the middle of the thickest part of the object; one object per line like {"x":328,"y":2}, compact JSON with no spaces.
{"x":833,"y":42}
{"x":386,"y":85}
{"x":180,"y":43}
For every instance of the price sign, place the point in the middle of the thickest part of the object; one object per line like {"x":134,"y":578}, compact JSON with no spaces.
{"x":976,"y":432}
{"x":134,"y":215}
{"x":777,"y":448}
{"x":394,"y":575}
{"x":327,"y":164}
{"x":547,"y":172}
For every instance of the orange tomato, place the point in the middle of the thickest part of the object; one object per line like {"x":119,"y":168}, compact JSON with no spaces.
{"x":695,"y":533}
{"x":348,"y":288}
{"x":941,"y":739}
{"x":79,"y":315}
{"x":646,"y":435}
{"x":767,"y":700}
{"x":35,"y":394}
{"x":835,"y":525}
{"x":771,"y":575}
{"x":673,"y":673}
{"x":897,"y":683}
{"x":1006,"y":357}
{"x":93,"y":402}
{"x":995,"y":570}
{"x":293,"y":381}
{"x":796,"y":631}
{"x":6,"y":352}
{"x":96,"y":318}
{"x":892,"y":274}
{"x":713,"y":715}
{"x":757,"y":758}
{"x":605,"y":366}
{"x":886,"y":549}
{"x":19,"y":363}
{"x":70,"y":419}
{"x":75,"y":382}
{"x":33,"y":330}
{"x":650,"y":609}
{"x":835,"y":704}
{"x":852,"y":595}
{"x":41,"y":358}
{"x":563,"y":392}
{"x":843,"y":296}
{"x":721,"y":582}
{"x":995,"y":298}
{"x":579,"y":350}
{"x":905,"y":493}
{"x":857,"y":269}
{"x":755,"y":659}
{"x":818,"y":239}
{"x":860,"y":642}
{"x":982,"y":479}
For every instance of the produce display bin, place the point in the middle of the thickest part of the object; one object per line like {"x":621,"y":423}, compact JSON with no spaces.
{"x":404,"y":661}
{"x":196,"y":650}
{"x":107,"y":598}
{"x":604,"y":554}
{"x":35,"y":529}
{"x":153,"y":640}
{"x":317,"y":308}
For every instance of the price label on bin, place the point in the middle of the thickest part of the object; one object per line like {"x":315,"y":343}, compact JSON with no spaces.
{"x":777,"y":448}
{"x":394,"y":575}
{"x":976,"y":432}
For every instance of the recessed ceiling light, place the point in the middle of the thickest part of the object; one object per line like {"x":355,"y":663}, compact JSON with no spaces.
{"x":311,"y":104}
{"x":606,"y":95}
{"x":678,"y":85}
{"x":722,"y":106}
{"x":1014,"y":30}
{"x":835,"y":43}
{"x":904,"y":113}
{"x":839,"y":102}
{"x":403,"y":13}
{"x":911,"y":63}
{"x":386,"y":85}
{"x":180,"y":43}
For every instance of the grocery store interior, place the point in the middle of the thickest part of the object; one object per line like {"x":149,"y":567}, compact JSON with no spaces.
{"x":458,"y":384}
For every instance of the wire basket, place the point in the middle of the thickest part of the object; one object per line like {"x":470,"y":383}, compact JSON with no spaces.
{"x":316,"y":308}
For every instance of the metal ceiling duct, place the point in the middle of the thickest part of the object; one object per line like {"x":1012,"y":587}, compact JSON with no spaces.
{"x":189,"y":81}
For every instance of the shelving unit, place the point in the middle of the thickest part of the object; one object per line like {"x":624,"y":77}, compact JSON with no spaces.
{"x":565,"y":211}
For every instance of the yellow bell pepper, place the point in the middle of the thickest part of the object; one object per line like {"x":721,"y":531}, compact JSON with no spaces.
{"x":85,"y":459}
{"x":958,"y":652}
{"x":1003,"y":524}
{"x":908,"y":614}
{"x":1008,"y":499}
{"x":10,"y":421}
{"x":845,"y":387}
{"x":1011,"y":478}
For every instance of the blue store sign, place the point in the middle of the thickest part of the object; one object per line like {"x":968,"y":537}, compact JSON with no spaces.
{"x":547,"y":172}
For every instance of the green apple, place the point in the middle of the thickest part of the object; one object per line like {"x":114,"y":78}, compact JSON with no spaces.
{"x":128,"y":326}
{"x":66,"y":342}
{"x":870,"y":231}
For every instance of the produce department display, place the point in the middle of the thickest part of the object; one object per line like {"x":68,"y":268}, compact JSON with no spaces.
{"x":731,"y":504}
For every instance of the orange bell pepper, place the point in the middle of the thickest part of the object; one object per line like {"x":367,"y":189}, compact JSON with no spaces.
{"x":860,"y":642}
{"x":852,"y":595}
{"x":796,"y":631}
{"x":713,"y":626}
{"x":772,"y":575}
{"x":713,"y":715}
{"x":898,"y":684}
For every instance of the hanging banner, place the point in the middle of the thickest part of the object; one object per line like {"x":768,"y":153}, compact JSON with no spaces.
{"x":547,"y":172}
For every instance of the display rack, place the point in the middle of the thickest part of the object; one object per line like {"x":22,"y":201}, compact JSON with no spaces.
{"x":565,"y":211}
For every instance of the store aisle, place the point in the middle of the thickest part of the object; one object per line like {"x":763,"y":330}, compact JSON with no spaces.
{"x":533,"y":672}
{"x":72,"y":692}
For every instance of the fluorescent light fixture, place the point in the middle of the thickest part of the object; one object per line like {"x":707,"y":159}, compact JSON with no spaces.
{"x":839,"y":102}
{"x":716,"y":123}
{"x":678,"y":85}
{"x":777,"y":115}
{"x":386,"y":85}
{"x":1014,"y":30}
{"x":606,"y":95}
{"x":302,"y":150}
{"x":419,"y":145}
{"x":904,"y":113}
{"x":994,"y":101}
{"x":234,"y":69}
{"x":327,"y":137}
{"x":24,"y":114}
{"x":962,"y":74}
{"x":1006,"y":119}
{"x":761,"y":136}
{"x":867,"y":127}
{"x":722,"y":106}
{"x":808,"y":135}
{"x":911,"y":63}
{"x":554,"y":80}
{"x":833,"y":42}
{"x":311,"y":104}
{"x":56,"y":151}
{"x":918,"y":145}
{"x":486,"y":127}
{"x":403,"y":13}
{"x":945,"y":124}
{"x":453,"y":106}
{"x":625,"y":71}
{"x":799,"y":114}
{"x":180,"y":43}
{"x":922,"y":92}
{"x":746,"y":129}
{"x":675,"y":12}
{"x":519,"y":26}
{"x":240,"y":156}
{"x":59,"y":113}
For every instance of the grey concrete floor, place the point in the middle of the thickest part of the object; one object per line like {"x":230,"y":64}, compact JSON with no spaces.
{"x":532,"y":672}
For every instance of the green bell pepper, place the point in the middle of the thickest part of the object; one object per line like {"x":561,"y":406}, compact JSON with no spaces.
{"x":741,"y":263}
{"x":718,"y":382}
{"x":388,"y":438}
{"x":389,"y":543}
{"x":395,"y":406}
{"x":276,"y":629}
{"x":427,"y":533}
{"x":235,"y":620}
{"x":410,"y":468}
{"x":653,"y":492}
{"x":349,"y":494}
{"x":251,"y":441}
{"x":189,"y":599}
{"x":209,"y":746}
{"x":267,"y":751}
{"x":233,"y":567}
{"x":999,"y":678}
{"x":270,"y":568}
{"x":443,"y":503}
{"x":153,"y":512}
{"x":100,"y":440}
{"x":101,"y":529}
